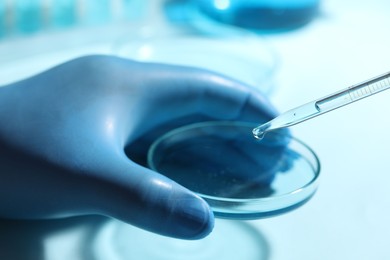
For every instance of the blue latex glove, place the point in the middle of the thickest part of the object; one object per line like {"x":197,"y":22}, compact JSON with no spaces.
{"x":73,"y":140}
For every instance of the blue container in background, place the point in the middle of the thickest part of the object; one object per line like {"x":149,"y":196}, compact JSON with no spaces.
{"x":97,"y":11}
{"x":64,"y":13}
{"x":28,"y":15}
{"x":2,"y":19}
{"x":262,"y":15}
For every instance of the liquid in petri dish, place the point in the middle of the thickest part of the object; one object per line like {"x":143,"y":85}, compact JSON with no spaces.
{"x":236,"y":168}
{"x":262,"y":15}
{"x":219,"y":171}
{"x":215,"y":169}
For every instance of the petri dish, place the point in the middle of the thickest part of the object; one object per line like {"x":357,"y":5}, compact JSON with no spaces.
{"x":244,"y":57}
{"x":239,"y":176}
{"x":261,"y":16}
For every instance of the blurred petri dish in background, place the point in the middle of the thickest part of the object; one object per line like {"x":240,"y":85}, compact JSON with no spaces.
{"x":239,"y":176}
{"x":230,"y":240}
{"x":260,"y":16}
{"x":244,"y":57}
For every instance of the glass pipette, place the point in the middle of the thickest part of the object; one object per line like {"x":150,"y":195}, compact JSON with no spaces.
{"x":326,"y":104}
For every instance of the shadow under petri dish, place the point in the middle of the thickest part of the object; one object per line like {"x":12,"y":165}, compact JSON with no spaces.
{"x":239,"y":176}
{"x":230,"y":240}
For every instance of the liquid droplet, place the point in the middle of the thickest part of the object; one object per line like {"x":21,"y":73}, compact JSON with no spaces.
{"x":258,"y":134}
{"x":260,"y":131}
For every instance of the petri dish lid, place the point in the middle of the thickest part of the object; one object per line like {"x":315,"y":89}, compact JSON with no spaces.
{"x":239,"y":176}
{"x":246,"y":58}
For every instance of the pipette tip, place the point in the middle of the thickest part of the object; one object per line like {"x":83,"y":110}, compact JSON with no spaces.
{"x":259,"y":132}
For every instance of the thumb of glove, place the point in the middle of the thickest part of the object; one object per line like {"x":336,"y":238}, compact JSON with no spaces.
{"x":146,"y":199}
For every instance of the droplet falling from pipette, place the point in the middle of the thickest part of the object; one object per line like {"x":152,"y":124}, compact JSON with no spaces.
{"x":259,"y":132}
{"x":259,"y":135}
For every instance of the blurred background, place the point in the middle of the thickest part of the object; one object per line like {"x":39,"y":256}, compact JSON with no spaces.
{"x":292,"y":50}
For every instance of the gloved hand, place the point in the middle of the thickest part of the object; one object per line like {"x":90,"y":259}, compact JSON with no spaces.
{"x":73,"y":140}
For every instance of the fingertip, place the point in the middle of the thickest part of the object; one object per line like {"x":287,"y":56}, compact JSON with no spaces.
{"x":153,"y":202}
{"x":195,"y":219}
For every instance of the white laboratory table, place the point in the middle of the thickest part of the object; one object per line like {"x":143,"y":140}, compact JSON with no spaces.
{"x":348,"y":218}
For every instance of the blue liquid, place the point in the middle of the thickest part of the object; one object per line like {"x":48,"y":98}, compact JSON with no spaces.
{"x":97,"y":12}
{"x":268,"y":15}
{"x":2,"y":20}
{"x":64,"y":13}
{"x":28,"y":15}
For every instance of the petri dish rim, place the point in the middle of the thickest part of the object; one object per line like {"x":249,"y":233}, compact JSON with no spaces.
{"x":309,"y":187}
